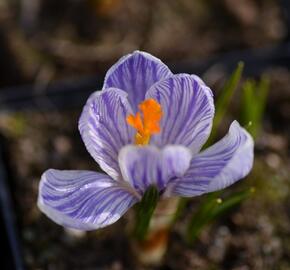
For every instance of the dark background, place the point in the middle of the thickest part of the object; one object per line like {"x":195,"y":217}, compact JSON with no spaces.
{"x":53,"y":54}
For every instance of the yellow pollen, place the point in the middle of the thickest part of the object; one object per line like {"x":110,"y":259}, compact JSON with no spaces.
{"x":146,"y":123}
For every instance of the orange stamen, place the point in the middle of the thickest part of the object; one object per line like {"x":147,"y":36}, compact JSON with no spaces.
{"x":147,"y":123}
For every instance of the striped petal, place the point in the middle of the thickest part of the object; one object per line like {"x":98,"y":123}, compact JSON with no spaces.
{"x":83,"y":200}
{"x":188,"y":109}
{"x":148,"y":165}
{"x":135,"y":73}
{"x":104,"y":129}
{"x":217,"y":167}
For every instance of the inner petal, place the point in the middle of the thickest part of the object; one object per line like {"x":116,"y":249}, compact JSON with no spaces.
{"x":188,"y":111}
{"x":145,"y":166}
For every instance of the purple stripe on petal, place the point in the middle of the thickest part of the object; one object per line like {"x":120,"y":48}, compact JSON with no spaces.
{"x":219,"y":166}
{"x":104,"y":129}
{"x":84,"y":200}
{"x":148,"y":165}
{"x":135,"y":73}
{"x":188,"y":110}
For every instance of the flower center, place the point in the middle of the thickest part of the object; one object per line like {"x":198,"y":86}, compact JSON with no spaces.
{"x":146,"y":123}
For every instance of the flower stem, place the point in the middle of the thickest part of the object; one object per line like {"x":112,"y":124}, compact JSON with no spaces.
{"x":151,"y":248}
{"x":144,"y":213}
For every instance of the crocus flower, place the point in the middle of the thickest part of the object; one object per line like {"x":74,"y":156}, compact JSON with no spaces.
{"x":145,"y":127}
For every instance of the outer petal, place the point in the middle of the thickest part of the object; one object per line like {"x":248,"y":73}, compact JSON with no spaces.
{"x":104,"y":129}
{"x":188,"y":110}
{"x":217,"y":167}
{"x":145,"y":166}
{"x":83,"y":200}
{"x":135,"y":73}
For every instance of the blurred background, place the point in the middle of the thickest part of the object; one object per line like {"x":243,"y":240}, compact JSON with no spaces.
{"x":53,"y":54}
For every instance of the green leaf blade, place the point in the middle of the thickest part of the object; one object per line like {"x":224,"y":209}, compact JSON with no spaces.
{"x":224,"y":99}
{"x":145,"y":210}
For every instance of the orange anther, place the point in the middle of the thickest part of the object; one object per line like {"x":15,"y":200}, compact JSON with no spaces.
{"x":147,"y":123}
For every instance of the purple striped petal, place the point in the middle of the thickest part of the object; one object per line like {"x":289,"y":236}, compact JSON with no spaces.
{"x":83,"y":200}
{"x":148,"y":165}
{"x":217,"y":167}
{"x":188,"y":109}
{"x":135,"y":73}
{"x":104,"y":129}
